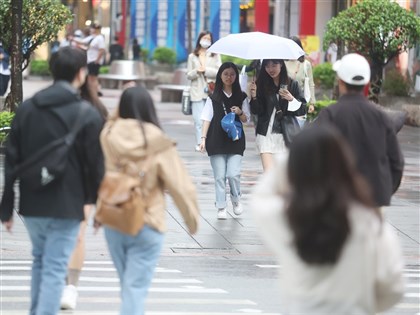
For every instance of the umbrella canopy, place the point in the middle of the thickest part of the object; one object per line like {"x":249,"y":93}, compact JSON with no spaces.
{"x":257,"y":45}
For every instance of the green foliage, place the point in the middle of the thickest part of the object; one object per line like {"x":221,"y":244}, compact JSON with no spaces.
{"x":41,"y":21}
{"x":377,"y":29}
{"x":164,"y":55}
{"x":319,"y":105}
{"x":104,"y":70}
{"x":40,"y":67}
{"x":237,"y":61}
{"x":5,"y":121}
{"x":396,"y":84}
{"x":324,"y":75}
{"x":144,"y":54}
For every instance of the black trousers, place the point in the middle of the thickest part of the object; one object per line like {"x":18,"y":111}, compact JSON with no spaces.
{"x":4,"y":82}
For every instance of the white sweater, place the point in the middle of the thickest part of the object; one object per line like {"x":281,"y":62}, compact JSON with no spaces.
{"x":366,"y":279}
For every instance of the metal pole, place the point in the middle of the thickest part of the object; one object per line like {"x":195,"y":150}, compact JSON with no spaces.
{"x":287,"y":18}
{"x":189,"y":29}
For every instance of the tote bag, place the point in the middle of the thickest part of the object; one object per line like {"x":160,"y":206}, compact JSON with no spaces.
{"x":186,"y":102}
{"x":243,"y":79}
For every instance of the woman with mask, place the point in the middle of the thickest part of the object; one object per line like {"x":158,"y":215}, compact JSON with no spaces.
{"x":300,"y":70}
{"x":202,"y":68}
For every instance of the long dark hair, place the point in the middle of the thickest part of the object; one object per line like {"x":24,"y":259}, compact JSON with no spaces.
{"x":90,"y":94}
{"x":324,"y":181}
{"x":297,"y":41}
{"x":197,"y":44}
{"x":236,"y":87}
{"x":265,"y":83}
{"x":136,"y":103}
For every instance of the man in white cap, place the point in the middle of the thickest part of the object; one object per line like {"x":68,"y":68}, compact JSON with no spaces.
{"x":368,"y":129}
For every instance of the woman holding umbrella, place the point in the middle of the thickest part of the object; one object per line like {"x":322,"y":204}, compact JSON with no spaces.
{"x":274,"y":96}
{"x":225,"y":153}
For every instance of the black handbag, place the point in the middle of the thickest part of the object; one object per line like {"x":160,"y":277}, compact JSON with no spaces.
{"x":290,"y":128}
{"x":186,"y":102}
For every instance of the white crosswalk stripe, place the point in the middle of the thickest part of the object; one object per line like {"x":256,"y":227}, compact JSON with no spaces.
{"x":99,"y":292}
{"x":411,"y":300}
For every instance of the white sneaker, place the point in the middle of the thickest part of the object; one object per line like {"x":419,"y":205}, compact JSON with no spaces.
{"x":237,"y":207}
{"x":222,"y":214}
{"x":69,"y":297}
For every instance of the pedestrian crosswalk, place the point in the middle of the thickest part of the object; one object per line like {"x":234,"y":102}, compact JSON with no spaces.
{"x":172,"y":292}
{"x":410,"y":303}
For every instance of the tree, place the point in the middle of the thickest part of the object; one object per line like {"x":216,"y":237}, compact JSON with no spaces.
{"x":377,"y":29}
{"x":39,"y":21}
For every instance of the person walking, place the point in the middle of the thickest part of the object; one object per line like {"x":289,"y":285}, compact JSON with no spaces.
{"x":69,"y":296}
{"x":95,"y":44}
{"x":331,"y":53}
{"x":4,"y":70}
{"x":315,"y":212}
{"x":368,"y":130}
{"x":273,"y":95}
{"x":225,"y":154}
{"x":202,"y":67}
{"x":116,"y":51}
{"x":52,"y":216}
{"x":301,"y":70}
{"x":135,"y":137}
{"x":136,"y":49}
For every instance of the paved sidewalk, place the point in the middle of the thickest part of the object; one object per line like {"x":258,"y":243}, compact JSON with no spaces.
{"x":237,"y":236}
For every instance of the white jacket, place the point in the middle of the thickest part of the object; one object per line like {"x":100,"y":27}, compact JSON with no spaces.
{"x":367,"y":277}
{"x":198,"y":83}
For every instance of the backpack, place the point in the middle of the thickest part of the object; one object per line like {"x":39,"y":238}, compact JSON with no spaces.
{"x":122,"y":202}
{"x":48,"y":165}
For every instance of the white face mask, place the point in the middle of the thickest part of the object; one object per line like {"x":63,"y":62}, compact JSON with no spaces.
{"x":205,"y":43}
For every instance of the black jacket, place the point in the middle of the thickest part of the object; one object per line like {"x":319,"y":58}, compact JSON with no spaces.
{"x":263,"y":106}
{"x":371,"y":135}
{"x":35,"y":126}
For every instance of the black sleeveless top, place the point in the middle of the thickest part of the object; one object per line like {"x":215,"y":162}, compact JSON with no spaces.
{"x":217,"y":141}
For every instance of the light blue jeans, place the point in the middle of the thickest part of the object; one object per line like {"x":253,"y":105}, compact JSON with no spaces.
{"x":135,"y":258}
{"x":197,"y":109}
{"x":53,"y":241}
{"x":226,"y":166}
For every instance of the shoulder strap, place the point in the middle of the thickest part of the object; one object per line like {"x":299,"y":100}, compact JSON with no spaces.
{"x":305,"y":69}
{"x":68,"y":138}
{"x":78,"y":123}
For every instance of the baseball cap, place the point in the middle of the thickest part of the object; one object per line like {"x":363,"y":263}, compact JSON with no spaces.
{"x":353,"y":69}
{"x":96,"y":26}
{"x":78,"y":33}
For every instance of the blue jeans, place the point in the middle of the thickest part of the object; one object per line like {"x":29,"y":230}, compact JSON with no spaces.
{"x":197,"y":109}
{"x":135,"y":258}
{"x":226,"y":166}
{"x":53,"y":241}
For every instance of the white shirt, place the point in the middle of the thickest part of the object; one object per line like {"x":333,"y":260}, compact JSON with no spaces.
{"x":367,"y":278}
{"x":207,"y":113}
{"x":95,"y":45}
{"x":332,"y":50}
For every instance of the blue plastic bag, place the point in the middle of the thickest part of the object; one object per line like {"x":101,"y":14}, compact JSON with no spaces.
{"x":232,"y":126}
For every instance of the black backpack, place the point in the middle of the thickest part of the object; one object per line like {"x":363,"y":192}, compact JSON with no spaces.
{"x":48,"y":165}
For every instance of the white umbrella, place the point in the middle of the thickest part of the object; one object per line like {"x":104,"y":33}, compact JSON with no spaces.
{"x":257,"y":45}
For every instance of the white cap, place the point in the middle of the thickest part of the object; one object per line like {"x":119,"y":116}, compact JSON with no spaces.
{"x":78,"y":33}
{"x":353,"y":69}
